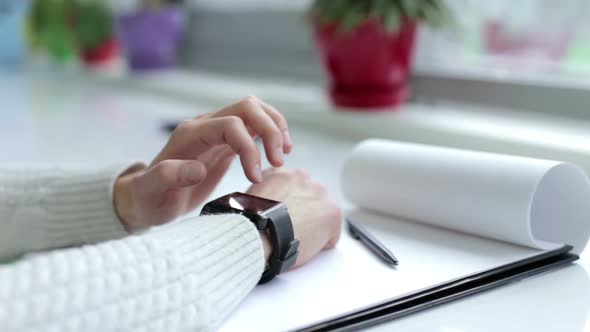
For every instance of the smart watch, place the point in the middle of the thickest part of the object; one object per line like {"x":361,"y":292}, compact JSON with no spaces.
{"x":268,"y":216}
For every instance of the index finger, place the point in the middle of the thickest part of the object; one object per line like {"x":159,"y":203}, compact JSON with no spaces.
{"x":256,"y":117}
{"x":281,"y":122}
{"x":197,"y":136}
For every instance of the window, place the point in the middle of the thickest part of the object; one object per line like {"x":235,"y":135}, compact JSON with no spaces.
{"x":526,"y":54}
{"x":501,"y":37}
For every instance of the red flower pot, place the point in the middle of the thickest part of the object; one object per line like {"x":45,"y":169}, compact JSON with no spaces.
{"x":368,"y":67}
{"x":100,"y":54}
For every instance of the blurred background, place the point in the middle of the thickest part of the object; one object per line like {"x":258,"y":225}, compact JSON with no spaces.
{"x":499,"y":75}
{"x":539,"y":42}
{"x":275,"y":38}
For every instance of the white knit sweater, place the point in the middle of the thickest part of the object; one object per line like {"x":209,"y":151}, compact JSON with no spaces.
{"x":188,"y":275}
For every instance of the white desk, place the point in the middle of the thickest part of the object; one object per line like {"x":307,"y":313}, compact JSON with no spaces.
{"x":51,"y":121}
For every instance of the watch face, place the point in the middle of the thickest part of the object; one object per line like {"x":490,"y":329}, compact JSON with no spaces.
{"x":249,"y":203}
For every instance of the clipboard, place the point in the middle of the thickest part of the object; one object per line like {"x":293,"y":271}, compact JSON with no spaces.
{"x":446,"y":292}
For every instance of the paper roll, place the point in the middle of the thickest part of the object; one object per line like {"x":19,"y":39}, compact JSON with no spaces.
{"x":530,"y":202}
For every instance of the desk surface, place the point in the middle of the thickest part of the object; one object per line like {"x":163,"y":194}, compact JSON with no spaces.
{"x":46,"y":121}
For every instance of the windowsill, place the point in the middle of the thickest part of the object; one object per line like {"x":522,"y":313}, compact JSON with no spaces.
{"x":498,"y":73}
{"x":457,"y":125}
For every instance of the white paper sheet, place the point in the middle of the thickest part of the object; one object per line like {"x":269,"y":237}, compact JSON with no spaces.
{"x":531,"y":202}
{"x":523,"y":201}
{"x":349,"y":277}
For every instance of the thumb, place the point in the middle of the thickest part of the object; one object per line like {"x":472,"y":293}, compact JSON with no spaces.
{"x":171,"y":174}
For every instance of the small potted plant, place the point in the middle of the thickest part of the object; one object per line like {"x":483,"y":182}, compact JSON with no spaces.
{"x":366,"y":47}
{"x":70,"y":28}
{"x":92,"y":22}
{"x":50,"y":31}
{"x":151,"y":35}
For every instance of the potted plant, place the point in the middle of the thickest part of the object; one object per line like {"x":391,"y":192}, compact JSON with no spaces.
{"x":50,"y":31}
{"x":92,"y":23}
{"x":366,"y":47}
{"x":70,"y":28}
{"x":151,"y":35}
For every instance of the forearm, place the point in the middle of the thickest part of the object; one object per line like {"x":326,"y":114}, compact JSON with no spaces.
{"x":188,"y":275}
{"x":55,"y":208}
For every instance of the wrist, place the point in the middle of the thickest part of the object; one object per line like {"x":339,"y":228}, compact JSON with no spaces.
{"x":268,"y":216}
{"x":266,"y":246}
{"x":124,"y":201}
{"x":123,"y":198}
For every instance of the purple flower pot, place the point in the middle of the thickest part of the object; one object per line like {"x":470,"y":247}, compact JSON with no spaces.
{"x":150,"y":38}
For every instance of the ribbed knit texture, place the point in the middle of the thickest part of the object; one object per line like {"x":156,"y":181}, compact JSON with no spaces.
{"x":56,"y":208}
{"x":186,"y":276}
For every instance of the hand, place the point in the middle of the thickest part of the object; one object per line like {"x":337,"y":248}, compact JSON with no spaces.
{"x":316,"y":218}
{"x":197,"y":157}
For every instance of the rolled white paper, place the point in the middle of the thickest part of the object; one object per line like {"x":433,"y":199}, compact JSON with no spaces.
{"x":530,"y":202}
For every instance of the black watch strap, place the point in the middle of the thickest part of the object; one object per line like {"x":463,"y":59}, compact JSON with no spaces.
{"x":273,"y":219}
{"x":284,"y":245}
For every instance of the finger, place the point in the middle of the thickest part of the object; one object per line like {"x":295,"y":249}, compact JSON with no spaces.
{"x":170,"y":174}
{"x":255,"y":117}
{"x":281,"y":123}
{"x":215,"y":173}
{"x":211,"y":157}
{"x":196,"y":137}
{"x":231,"y":130}
{"x":217,"y":167}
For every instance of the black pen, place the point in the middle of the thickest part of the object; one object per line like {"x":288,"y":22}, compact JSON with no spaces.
{"x":361,"y":234}
{"x":170,"y":126}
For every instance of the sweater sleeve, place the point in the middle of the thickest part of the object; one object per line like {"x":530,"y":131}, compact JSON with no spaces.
{"x":55,"y":208}
{"x":187,"y":275}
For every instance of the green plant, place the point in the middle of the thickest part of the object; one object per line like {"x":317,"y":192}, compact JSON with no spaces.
{"x":49,"y":28}
{"x":93,"y":24}
{"x":349,"y":14}
{"x":64,"y":27}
